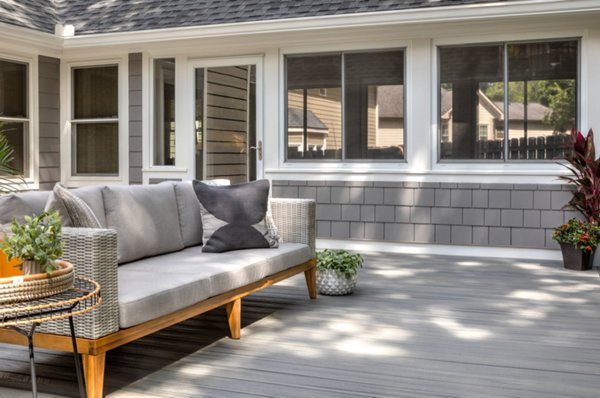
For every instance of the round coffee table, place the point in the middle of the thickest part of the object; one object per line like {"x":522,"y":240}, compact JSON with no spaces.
{"x":84,"y":296}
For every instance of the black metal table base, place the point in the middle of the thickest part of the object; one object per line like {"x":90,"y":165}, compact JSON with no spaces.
{"x":29,"y":334}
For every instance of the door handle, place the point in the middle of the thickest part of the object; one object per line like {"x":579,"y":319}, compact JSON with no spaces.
{"x":258,"y":148}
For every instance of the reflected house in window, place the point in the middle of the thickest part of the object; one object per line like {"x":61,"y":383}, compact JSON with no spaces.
{"x":390,"y":119}
{"x":317,"y":131}
{"x":524,"y":122}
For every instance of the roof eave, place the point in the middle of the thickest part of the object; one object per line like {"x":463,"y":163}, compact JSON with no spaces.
{"x":411,"y":16}
{"x":29,"y":37}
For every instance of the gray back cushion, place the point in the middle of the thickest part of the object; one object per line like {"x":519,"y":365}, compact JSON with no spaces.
{"x":22,"y":203}
{"x":190,"y":219}
{"x":91,"y":196}
{"x":146,"y":219}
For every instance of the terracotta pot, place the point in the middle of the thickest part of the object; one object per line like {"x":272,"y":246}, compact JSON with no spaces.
{"x":576,"y":259}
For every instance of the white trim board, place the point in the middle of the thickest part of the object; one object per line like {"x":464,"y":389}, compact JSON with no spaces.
{"x":436,"y":249}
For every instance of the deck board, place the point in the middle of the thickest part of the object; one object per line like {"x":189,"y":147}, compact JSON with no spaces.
{"x":417,"y":326}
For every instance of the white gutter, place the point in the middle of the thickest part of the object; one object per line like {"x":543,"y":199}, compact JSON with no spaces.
{"x":410,"y":16}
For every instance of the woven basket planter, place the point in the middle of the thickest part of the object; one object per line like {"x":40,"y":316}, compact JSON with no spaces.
{"x":37,"y":286}
{"x":333,"y":283}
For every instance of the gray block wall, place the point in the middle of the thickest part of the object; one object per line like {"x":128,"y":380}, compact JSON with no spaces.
{"x":49,"y":121}
{"x":135,"y":118}
{"x":509,"y":215}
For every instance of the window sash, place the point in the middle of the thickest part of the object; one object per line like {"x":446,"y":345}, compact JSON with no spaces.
{"x":504,"y":133}
{"x":95,"y":124}
{"x":322,"y":86}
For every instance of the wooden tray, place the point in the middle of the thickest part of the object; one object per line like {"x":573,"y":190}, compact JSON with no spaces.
{"x":36,"y":286}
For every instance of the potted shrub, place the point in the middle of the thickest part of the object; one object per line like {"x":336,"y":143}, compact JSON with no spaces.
{"x":337,"y":271}
{"x":36,"y":242}
{"x":585,"y":178}
{"x":578,"y":241}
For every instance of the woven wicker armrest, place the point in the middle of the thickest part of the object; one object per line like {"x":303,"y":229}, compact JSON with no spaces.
{"x":93,"y":253}
{"x":295,"y":220}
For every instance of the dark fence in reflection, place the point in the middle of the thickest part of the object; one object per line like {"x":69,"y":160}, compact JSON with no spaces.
{"x":533,"y":148}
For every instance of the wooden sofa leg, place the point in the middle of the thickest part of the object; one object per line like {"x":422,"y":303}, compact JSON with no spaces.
{"x":93,"y":368}
{"x":234,"y":318}
{"x":311,"y":281}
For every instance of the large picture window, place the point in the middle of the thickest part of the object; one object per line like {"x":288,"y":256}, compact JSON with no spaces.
{"x":527,"y":89}
{"x":95,"y":121}
{"x":14,"y":115}
{"x":345,"y":106}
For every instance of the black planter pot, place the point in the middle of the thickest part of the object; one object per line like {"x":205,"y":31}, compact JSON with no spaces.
{"x":576,"y":259}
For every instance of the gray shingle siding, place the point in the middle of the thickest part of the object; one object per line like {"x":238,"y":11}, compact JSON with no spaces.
{"x":49,"y":121}
{"x":135,"y":118}
{"x":503,"y":215}
{"x":93,"y":16}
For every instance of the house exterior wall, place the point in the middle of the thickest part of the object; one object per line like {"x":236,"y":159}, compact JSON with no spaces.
{"x":416,"y":199}
{"x":49,"y":121}
{"x":501,"y":215}
{"x":135,"y":119}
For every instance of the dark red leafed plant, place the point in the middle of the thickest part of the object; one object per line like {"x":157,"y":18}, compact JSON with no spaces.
{"x":585,"y":169}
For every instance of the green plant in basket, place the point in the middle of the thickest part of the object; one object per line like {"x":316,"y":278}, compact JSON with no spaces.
{"x":582,"y":235}
{"x":339,"y":260}
{"x":36,"y":240}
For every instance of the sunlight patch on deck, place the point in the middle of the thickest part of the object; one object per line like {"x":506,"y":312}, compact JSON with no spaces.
{"x":535,"y":295}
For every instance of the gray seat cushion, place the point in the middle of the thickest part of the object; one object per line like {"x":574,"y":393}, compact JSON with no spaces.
{"x":146,"y":219}
{"x":156,"y":286}
{"x":22,"y":203}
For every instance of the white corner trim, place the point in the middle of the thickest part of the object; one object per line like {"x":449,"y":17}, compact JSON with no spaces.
{"x":436,"y":249}
{"x":410,"y":16}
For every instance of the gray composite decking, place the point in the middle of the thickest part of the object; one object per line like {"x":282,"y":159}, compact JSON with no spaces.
{"x":417,"y":326}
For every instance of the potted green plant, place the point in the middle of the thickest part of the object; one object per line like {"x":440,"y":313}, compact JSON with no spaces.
{"x":585,"y":179}
{"x":36,"y":242}
{"x":578,"y":241}
{"x":337,"y":271}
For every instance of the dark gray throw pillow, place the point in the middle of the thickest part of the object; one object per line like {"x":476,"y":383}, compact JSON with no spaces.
{"x":236,"y":216}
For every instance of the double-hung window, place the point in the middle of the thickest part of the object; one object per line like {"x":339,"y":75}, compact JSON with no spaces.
{"x":14,"y":114}
{"x":345,"y":106}
{"x":95,"y":121}
{"x":528,"y":90}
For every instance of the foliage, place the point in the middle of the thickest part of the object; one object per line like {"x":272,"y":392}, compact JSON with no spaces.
{"x":37,"y":239}
{"x":583,"y":235}
{"x":339,"y":260}
{"x":585,"y":169}
{"x":558,"y":95}
{"x":9,"y":178}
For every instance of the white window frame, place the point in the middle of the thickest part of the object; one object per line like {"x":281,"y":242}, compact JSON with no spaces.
{"x":31,"y":156}
{"x":67,"y":151}
{"x":524,"y":169}
{"x":345,"y":166}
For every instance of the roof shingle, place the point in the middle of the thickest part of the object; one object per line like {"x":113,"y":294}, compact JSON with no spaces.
{"x":104,"y":16}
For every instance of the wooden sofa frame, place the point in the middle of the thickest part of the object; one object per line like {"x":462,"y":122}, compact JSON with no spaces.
{"x":295,"y":220}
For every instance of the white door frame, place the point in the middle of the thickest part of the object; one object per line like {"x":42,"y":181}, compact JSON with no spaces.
{"x":194,"y":64}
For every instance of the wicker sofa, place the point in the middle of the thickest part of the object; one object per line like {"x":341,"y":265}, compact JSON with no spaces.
{"x":148,"y":294}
